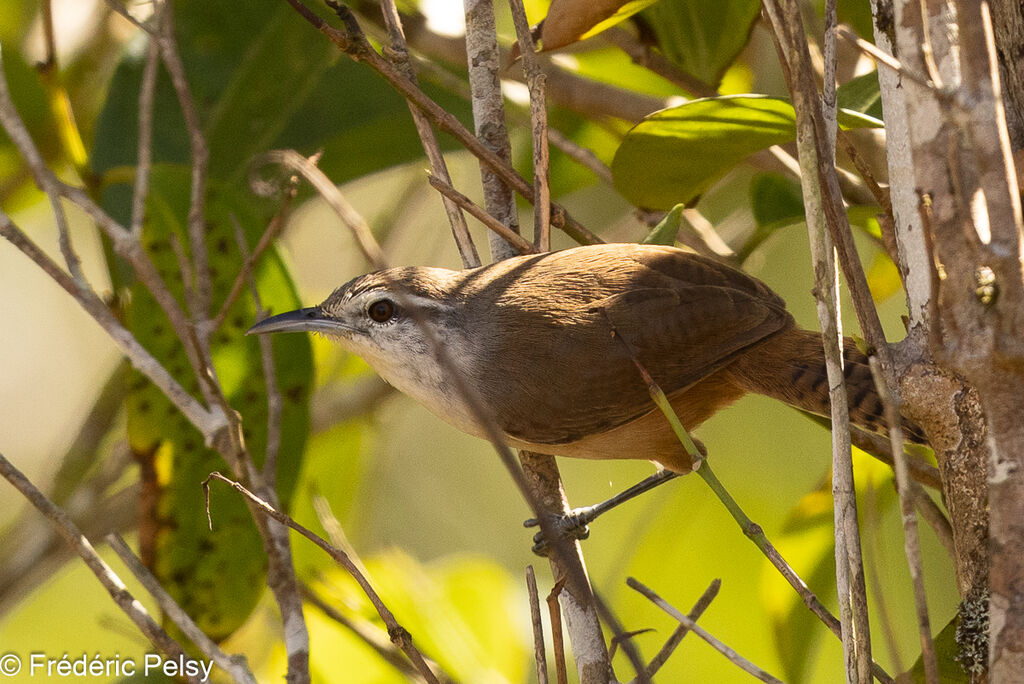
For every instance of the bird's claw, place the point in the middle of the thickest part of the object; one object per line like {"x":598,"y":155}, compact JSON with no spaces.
{"x":573,"y":525}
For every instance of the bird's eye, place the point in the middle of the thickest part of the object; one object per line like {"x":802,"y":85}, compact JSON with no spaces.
{"x":381,"y":310}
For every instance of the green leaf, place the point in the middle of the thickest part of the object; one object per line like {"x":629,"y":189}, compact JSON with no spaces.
{"x":665,"y":232}
{"x":218,"y":576}
{"x":30,"y":99}
{"x":861,"y":94}
{"x":703,"y":36}
{"x":774,"y":197}
{"x":675,"y":154}
{"x":262,"y":79}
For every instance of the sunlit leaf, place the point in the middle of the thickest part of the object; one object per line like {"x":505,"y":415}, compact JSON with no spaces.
{"x":677,"y":153}
{"x":571,"y":20}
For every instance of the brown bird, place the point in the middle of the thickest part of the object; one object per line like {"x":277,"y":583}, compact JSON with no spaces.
{"x":533,"y":334}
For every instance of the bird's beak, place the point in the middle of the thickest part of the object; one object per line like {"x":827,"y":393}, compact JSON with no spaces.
{"x":310,"y":319}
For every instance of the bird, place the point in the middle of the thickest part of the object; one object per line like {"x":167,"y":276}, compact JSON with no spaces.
{"x":551,"y":342}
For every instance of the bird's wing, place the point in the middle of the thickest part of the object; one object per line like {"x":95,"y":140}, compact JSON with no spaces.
{"x":681,"y":333}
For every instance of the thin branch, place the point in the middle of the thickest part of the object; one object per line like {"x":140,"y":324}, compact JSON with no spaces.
{"x":656,"y":62}
{"x":539,"y":652}
{"x":521,"y":244}
{"x":821,"y":198}
{"x":676,"y":638}
{"x":272,"y":231}
{"x":398,"y":52}
{"x":535,"y":79}
{"x":147,"y":93}
{"x":295,"y":162}
{"x":354,"y":43}
{"x":733,"y":657}
{"x":275,"y":405}
{"x":12,"y":122}
{"x":399,"y":635}
{"x":911,"y":545}
{"x":236,"y":666}
{"x":103,"y":572}
{"x":199,"y":152}
{"x":555,"y":619}
{"x":372,"y":637}
{"x":210,"y":422}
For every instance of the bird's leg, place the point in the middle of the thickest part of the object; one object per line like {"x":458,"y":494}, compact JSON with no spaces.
{"x":574,"y":523}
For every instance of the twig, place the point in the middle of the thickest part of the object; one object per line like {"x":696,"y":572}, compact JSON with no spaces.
{"x":555,"y":618}
{"x":883,"y":58}
{"x":372,"y":637}
{"x":147,"y":92}
{"x":535,"y":79}
{"x":210,"y":422}
{"x":399,"y":635}
{"x":521,"y":244}
{"x":354,"y":44}
{"x":16,"y":129}
{"x":200,"y":154}
{"x":275,"y":405}
{"x":539,"y":652}
{"x":272,"y":231}
{"x":399,"y":55}
{"x":294,"y":161}
{"x":676,"y":638}
{"x":823,"y":203}
{"x":104,"y":573}
{"x":911,"y":545}
{"x":236,"y":666}
{"x":583,"y":156}
{"x":733,"y":657}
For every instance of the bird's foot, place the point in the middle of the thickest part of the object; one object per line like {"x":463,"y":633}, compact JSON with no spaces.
{"x":572,"y":525}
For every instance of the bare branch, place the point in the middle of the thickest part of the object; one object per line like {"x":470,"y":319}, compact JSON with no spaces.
{"x":734,"y":657}
{"x":399,"y":55}
{"x":236,"y":666}
{"x":398,"y":634}
{"x":539,"y":653}
{"x":520,"y":243}
{"x":535,"y":79}
{"x":103,"y":572}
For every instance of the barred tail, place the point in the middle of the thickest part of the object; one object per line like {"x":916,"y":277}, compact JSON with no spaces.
{"x":790,"y":367}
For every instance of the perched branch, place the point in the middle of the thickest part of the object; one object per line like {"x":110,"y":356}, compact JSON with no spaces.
{"x":535,"y":79}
